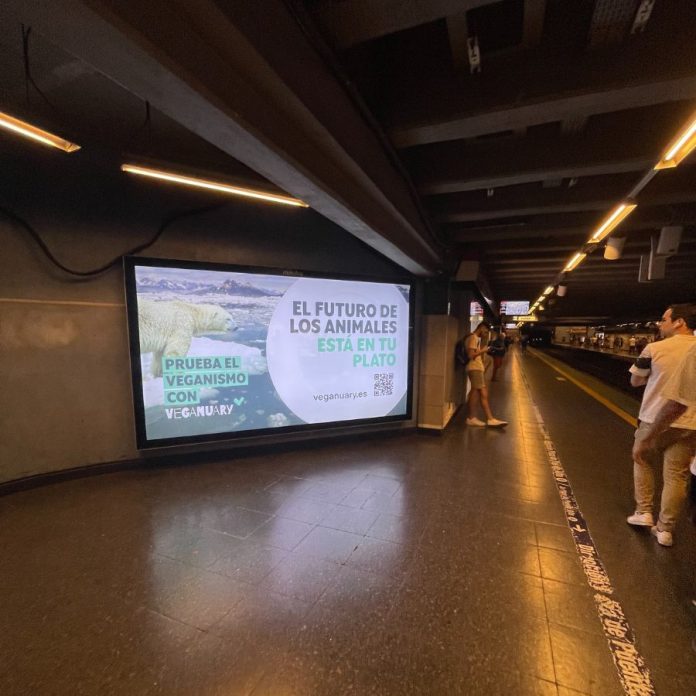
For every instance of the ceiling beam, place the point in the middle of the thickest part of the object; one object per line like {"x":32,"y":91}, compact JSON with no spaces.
{"x":507,"y":175}
{"x":608,"y":148}
{"x":354,"y":21}
{"x":604,"y":205}
{"x":533,"y":27}
{"x":258,"y":91}
{"x":510,"y":117}
{"x":649,"y":222}
{"x":596,"y":193}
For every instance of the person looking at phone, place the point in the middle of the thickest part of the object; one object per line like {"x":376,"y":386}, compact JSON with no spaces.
{"x":475,"y":369}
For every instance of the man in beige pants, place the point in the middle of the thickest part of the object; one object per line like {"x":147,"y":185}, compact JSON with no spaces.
{"x":674,"y":446}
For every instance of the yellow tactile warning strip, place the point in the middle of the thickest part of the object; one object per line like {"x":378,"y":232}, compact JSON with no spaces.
{"x":633,"y":672}
{"x":588,"y":390}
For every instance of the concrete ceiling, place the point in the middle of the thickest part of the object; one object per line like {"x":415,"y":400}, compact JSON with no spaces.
{"x":519,"y":155}
{"x":434,"y":131}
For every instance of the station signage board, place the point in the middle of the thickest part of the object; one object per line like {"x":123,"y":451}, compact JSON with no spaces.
{"x":510,"y":307}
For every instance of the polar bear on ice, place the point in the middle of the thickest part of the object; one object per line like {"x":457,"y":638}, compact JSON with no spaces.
{"x":166,"y":328}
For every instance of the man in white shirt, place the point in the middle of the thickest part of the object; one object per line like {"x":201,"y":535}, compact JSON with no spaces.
{"x":657,"y":363}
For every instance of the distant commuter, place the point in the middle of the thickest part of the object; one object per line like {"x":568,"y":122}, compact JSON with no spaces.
{"x":496,"y":349}
{"x":632,"y":345}
{"x":475,"y":371}
{"x":657,"y":363}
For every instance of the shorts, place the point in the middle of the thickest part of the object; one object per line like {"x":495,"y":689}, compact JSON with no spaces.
{"x":476,"y":378}
{"x":497,"y":361}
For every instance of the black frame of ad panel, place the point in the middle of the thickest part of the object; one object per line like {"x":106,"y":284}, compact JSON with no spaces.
{"x":142,"y":441}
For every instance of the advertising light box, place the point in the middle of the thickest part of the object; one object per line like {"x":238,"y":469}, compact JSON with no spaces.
{"x":219,"y":352}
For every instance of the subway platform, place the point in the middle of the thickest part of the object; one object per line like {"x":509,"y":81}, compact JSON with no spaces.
{"x":478,"y":562}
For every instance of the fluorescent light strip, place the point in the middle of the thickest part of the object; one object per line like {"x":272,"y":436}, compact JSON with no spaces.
{"x":620,"y":213}
{"x":683,"y":145}
{"x":211,"y":185}
{"x":26,"y":130}
{"x":574,"y":262}
{"x":548,"y":290}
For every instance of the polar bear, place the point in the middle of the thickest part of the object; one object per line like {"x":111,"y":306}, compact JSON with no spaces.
{"x":166,"y":328}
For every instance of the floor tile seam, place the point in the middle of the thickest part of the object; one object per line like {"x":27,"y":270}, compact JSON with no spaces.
{"x":307,"y":610}
{"x":339,"y":564}
{"x":618,"y":633}
{"x":205,"y":631}
{"x":266,"y":546}
{"x":241,"y":538}
{"x":217,"y":572}
{"x":548,"y":630}
{"x":577,"y":629}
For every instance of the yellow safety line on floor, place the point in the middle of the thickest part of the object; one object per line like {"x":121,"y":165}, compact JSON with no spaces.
{"x":588,"y":390}
{"x":75,"y":303}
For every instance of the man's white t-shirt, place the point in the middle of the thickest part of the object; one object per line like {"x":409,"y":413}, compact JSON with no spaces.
{"x":681,"y":386}
{"x":658,"y":361}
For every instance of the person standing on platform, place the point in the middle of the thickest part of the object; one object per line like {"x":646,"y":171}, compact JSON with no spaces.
{"x":657,"y":363}
{"x":496,"y":349}
{"x":475,"y":371}
{"x":679,"y":394}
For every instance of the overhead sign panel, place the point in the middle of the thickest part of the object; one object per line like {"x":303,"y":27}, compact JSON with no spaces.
{"x":514,"y":307}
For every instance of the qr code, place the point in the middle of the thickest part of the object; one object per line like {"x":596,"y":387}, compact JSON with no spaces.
{"x":384,"y":383}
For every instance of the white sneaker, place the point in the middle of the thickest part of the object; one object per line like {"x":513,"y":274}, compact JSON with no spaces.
{"x":495,"y":423}
{"x":641,"y":519}
{"x":475,"y":421}
{"x":663,"y":538}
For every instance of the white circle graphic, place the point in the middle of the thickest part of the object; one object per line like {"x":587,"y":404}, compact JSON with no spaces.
{"x":338,"y":350}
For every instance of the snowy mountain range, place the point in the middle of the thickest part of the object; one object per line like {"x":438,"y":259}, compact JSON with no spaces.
{"x":228,"y":287}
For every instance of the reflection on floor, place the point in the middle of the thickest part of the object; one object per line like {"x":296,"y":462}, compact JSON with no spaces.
{"x":407,"y":565}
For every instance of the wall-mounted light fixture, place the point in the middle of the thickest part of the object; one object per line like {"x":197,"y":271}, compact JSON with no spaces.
{"x":210,"y":185}
{"x":26,"y":130}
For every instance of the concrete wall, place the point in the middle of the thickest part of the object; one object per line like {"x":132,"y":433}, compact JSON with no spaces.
{"x":63,"y":344}
{"x":442,"y":381}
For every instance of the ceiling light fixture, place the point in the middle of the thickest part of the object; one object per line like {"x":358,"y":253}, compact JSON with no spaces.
{"x":26,"y":130}
{"x":680,"y":147}
{"x":548,"y":290}
{"x":620,"y":213}
{"x":195,"y":182}
{"x":574,"y":262}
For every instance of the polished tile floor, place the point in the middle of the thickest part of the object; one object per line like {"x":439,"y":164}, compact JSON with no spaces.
{"x":410,"y":564}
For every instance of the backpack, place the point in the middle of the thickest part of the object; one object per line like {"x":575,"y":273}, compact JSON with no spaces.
{"x":460,"y":353}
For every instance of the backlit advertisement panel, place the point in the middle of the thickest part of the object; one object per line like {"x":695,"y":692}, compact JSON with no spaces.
{"x":219,"y":352}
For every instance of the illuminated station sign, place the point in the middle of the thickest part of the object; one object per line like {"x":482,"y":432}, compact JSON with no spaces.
{"x":511,"y":307}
